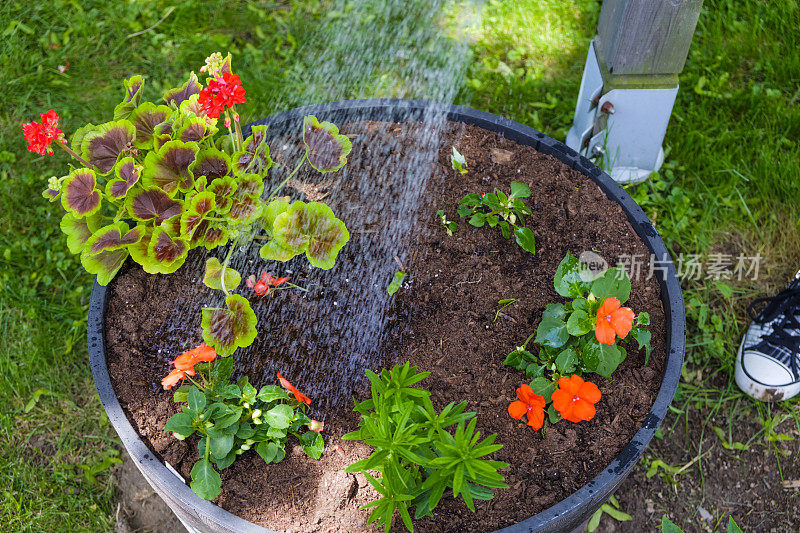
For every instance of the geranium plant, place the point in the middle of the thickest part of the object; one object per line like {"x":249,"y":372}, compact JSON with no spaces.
{"x":160,"y":179}
{"x":157,"y":181}
{"x":231,"y":418}
{"x":418,"y":458}
{"x":574,"y":338}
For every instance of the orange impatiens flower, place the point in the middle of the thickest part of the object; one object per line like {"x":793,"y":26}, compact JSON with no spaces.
{"x":575,"y":398}
{"x":187,"y":360}
{"x":184,"y":364}
{"x":299,"y":396}
{"x":174,"y":377}
{"x":530,"y":404}
{"x":613,"y":320}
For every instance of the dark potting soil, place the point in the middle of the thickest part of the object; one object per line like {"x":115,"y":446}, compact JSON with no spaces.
{"x":442,"y":320}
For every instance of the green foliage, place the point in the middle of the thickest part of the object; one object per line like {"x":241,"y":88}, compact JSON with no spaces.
{"x":458,"y":162}
{"x":233,"y":418}
{"x":213,"y":275}
{"x":504,"y":211}
{"x":311,"y":228}
{"x":326,"y":149}
{"x":449,"y":225}
{"x":566,"y":333}
{"x":612,"y":510}
{"x":397,"y":281}
{"x":417,"y":457}
{"x":230,"y":328}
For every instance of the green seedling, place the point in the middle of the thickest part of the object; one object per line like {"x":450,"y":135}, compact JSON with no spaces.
{"x":449,"y":225}
{"x":503,"y":304}
{"x":396,"y":282}
{"x":498,"y":209}
{"x":458,"y":162}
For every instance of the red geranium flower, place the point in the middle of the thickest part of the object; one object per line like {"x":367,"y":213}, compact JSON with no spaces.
{"x":299,"y":396}
{"x":264,"y":283}
{"x":222,"y":92}
{"x":187,"y":360}
{"x":41,"y":134}
{"x":530,"y":404}
{"x":575,"y":398}
{"x":613,"y":320}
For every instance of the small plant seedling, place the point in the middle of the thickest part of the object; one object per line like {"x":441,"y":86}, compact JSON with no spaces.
{"x":504,"y":210}
{"x":458,"y":162}
{"x":396,"y":282}
{"x":449,"y":225}
{"x":611,"y":510}
{"x":503,"y":304}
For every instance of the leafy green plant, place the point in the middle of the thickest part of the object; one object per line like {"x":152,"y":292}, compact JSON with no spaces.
{"x":231,"y":418}
{"x":573,"y":337}
{"x":612,"y":510}
{"x":156,"y":181}
{"x":417,"y":457}
{"x":396,"y":283}
{"x":498,"y":209}
{"x":449,"y":225}
{"x":458,"y":162}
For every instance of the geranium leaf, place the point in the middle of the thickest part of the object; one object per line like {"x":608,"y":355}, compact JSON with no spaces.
{"x":223,"y":189}
{"x":184,"y":92}
{"x":274,"y":252}
{"x":162,"y":134}
{"x":213,"y":276}
{"x":106,"y":250}
{"x":271,"y":212}
{"x":245,"y":208}
{"x":195,"y":129}
{"x":311,"y":228}
{"x":78,"y":193}
{"x":198,"y":207}
{"x":312,"y":443}
{"x":250,"y":184}
{"x":145,"y":118}
{"x":211,"y":163}
{"x":138,"y":250}
{"x":209,"y":235}
{"x":228,"y":329}
{"x":172,"y":225}
{"x":78,"y":230}
{"x":77,"y":137}
{"x":133,"y":95}
{"x":165,"y":254}
{"x":168,"y":168}
{"x":327,"y":150}
{"x":152,"y":203}
{"x":602,"y":358}
{"x":127,"y":173}
{"x":102,"y":145}
{"x":254,"y":156}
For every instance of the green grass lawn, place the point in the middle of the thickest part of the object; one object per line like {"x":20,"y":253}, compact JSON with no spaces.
{"x":730,"y":184}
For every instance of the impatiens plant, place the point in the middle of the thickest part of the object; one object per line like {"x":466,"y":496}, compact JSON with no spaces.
{"x":577,"y":337}
{"x":157,"y":181}
{"x":498,"y":209}
{"x":231,"y":418}
{"x":417,"y":457}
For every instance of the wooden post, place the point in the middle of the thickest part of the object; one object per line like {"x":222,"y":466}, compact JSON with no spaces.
{"x":644,"y":43}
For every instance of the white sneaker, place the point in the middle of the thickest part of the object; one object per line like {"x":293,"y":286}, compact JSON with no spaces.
{"x":768,"y":362}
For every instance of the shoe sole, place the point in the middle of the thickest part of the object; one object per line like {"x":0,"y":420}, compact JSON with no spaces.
{"x":761,"y":391}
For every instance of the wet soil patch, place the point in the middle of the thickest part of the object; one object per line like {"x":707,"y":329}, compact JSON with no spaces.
{"x":442,"y":320}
